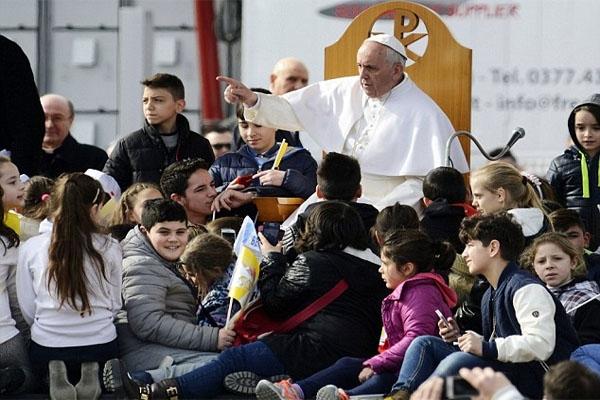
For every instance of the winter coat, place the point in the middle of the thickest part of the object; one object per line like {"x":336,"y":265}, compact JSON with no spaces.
{"x":574,"y":178}
{"x":349,"y":326}
{"x":368,"y":215}
{"x":72,"y":156}
{"x":531,"y":335}
{"x":142,"y":155}
{"x":532,"y":220}
{"x":442,"y":221}
{"x":300,"y":168}
{"x":576,"y":297}
{"x":159,"y":303}
{"x":409,"y":312}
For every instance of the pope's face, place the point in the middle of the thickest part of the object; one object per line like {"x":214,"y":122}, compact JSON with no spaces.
{"x":377,"y":75}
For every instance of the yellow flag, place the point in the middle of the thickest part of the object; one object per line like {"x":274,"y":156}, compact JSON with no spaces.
{"x":280,"y":154}
{"x":244,"y":276}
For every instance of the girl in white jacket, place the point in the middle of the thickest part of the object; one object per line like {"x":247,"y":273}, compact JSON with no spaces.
{"x":15,"y":372}
{"x":69,"y":281}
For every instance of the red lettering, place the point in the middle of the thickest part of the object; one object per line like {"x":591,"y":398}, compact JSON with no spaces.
{"x":341,"y":12}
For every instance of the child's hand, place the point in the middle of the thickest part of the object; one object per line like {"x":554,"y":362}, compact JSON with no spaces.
{"x":270,"y":177}
{"x":266,"y":246}
{"x":449,"y":334}
{"x":226,"y":338}
{"x":365,"y":374}
{"x":471,"y":342}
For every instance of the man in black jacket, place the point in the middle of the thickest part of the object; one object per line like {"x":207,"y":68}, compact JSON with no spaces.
{"x":165,"y":138}
{"x":60,"y":151}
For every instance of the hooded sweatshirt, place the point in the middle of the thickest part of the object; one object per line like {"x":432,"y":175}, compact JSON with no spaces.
{"x":574,"y":177}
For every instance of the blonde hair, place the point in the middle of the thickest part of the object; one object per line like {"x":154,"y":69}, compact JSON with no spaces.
{"x":128,"y":199}
{"x":503,"y":175}
{"x":527,"y":259}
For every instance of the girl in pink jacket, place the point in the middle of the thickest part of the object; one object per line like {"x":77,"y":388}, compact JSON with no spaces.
{"x":409,"y":261}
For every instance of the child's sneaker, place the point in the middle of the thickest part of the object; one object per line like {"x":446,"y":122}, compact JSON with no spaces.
{"x":283,"y":390}
{"x":331,"y":392}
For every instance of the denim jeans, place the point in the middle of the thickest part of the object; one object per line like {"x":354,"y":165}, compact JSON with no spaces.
{"x":344,"y":374}
{"x":207,"y":381}
{"x":430,"y":355}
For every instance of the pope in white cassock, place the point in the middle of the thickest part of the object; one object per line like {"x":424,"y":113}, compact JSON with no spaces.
{"x":397,"y":132}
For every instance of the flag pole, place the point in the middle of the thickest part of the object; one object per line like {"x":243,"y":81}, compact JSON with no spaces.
{"x":229,"y":312}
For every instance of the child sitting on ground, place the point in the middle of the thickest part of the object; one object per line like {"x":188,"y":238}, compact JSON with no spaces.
{"x":554,"y":260}
{"x":159,"y":316}
{"x":338,"y":178}
{"x":128,"y":212}
{"x":569,"y":222}
{"x":10,"y":180}
{"x":35,"y":208}
{"x":444,"y":197}
{"x":207,"y":262}
{"x":409,"y":259}
{"x":521,"y":337}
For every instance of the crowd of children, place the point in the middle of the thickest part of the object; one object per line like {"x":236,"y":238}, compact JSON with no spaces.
{"x":135,"y":288}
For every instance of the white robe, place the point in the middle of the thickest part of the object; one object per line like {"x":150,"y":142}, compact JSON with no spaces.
{"x":408,"y":138}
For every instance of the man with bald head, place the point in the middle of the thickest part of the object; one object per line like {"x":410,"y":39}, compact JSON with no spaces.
{"x":397,"y":132}
{"x":60,"y":151}
{"x":288,"y":74}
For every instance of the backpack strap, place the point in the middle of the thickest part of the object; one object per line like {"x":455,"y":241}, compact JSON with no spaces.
{"x":314,"y":307}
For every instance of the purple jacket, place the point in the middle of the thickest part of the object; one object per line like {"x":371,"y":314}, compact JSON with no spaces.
{"x":409,"y":312}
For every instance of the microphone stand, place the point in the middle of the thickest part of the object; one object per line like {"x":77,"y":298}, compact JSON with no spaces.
{"x":505,"y":150}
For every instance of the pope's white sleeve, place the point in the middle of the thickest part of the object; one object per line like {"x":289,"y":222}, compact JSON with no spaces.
{"x":275,"y":112}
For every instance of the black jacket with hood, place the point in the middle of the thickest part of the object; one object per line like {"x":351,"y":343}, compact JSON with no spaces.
{"x":574,"y":178}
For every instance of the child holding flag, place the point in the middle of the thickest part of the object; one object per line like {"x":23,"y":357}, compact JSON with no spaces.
{"x":269,"y":166}
{"x":333,"y":247}
{"x":208,"y":263}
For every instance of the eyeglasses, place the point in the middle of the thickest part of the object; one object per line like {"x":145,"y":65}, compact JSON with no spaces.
{"x":219,"y":146}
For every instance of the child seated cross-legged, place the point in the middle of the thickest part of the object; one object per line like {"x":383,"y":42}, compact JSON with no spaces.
{"x":409,"y":261}
{"x":521,"y":336}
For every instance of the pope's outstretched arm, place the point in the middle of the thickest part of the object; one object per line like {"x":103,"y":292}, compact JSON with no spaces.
{"x":276,"y":112}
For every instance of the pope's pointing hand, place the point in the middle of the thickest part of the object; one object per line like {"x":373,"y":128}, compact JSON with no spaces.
{"x":237,"y":92}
